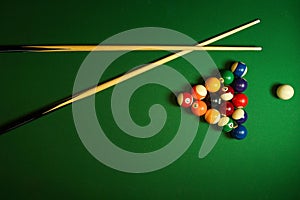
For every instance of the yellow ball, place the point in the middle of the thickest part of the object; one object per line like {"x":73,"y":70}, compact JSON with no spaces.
{"x":212,"y":116}
{"x":212,"y":84}
{"x":285,"y":92}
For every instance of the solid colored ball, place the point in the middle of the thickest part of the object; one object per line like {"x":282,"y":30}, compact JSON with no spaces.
{"x":185,"y":99}
{"x":240,"y":100}
{"x":240,"y":84}
{"x":240,"y":116}
{"x":226,"y":93}
{"x":199,"y":108}
{"x":285,"y":92}
{"x":199,"y":92}
{"x":239,"y":132}
{"x":239,"y":69}
{"x":227,"y":124}
{"x":226,"y":108}
{"x":227,"y":76}
{"x":212,"y":84}
{"x":212,"y":116}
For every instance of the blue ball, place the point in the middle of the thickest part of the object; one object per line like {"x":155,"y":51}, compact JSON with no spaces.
{"x":240,"y":85}
{"x":239,"y":133}
{"x":239,"y":69}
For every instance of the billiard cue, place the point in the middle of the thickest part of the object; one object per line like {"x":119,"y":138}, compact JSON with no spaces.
{"x":83,"y":48}
{"x":95,"y":89}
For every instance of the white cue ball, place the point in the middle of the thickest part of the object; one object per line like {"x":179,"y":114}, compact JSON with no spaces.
{"x":285,"y":92}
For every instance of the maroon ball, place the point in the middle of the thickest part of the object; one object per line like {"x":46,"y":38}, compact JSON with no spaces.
{"x":226,"y":93}
{"x":226,"y":108}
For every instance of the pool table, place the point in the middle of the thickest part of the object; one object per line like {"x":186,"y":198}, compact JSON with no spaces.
{"x":49,"y":157}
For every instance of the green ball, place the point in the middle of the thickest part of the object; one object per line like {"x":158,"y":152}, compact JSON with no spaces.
{"x":227,"y":76}
{"x":229,"y":126}
{"x":226,"y":123}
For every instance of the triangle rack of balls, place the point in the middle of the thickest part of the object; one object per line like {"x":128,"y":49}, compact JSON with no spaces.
{"x":221,"y":100}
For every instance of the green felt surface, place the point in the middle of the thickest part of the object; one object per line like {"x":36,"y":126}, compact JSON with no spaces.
{"x":46,"y":159}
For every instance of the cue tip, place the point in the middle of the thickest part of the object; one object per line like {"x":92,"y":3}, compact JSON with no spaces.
{"x":257,"y":20}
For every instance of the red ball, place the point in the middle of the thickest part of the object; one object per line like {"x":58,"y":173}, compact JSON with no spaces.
{"x":226,"y":93}
{"x":199,"y":108}
{"x":185,"y":99}
{"x":240,"y":100}
{"x":226,"y":108}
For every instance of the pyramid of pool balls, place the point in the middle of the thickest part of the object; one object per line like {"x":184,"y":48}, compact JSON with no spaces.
{"x":221,"y":100}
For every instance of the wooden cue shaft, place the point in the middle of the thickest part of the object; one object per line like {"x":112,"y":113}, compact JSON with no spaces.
{"x":91,"y":91}
{"x":76,"y":48}
{"x":145,"y":68}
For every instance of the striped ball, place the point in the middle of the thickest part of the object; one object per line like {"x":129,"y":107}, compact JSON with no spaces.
{"x":212,"y":116}
{"x":239,"y":69}
{"x":240,"y":116}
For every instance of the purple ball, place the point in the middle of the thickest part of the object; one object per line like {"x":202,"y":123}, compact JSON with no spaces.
{"x":243,"y":119}
{"x":240,"y":85}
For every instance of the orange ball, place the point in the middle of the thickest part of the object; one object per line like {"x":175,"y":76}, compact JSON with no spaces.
{"x":199,"y":92}
{"x":212,"y":84}
{"x":199,"y":108}
{"x":212,"y":116}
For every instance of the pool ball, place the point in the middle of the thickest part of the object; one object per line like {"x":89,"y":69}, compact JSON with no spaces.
{"x":227,"y":124}
{"x":212,"y":84}
{"x":239,"y":69}
{"x":239,"y":132}
{"x":213,"y":100}
{"x":227,"y":77}
{"x":240,"y":116}
{"x":198,"y":108}
{"x":226,"y":108}
{"x":185,"y":99}
{"x":226,"y":93}
{"x":285,"y":92}
{"x":199,"y":92}
{"x":240,"y":100}
{"x":212,"y":116}
{"x":240,"y":84}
